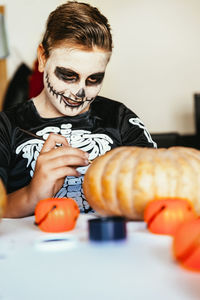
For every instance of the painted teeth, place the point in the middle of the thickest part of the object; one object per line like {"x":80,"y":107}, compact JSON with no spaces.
{"x":72,"y":102}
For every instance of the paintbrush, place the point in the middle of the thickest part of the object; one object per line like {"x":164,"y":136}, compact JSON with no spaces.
{"x":32,"y":134}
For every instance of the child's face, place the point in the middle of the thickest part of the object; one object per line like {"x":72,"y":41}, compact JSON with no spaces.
{"x":73,"y":78}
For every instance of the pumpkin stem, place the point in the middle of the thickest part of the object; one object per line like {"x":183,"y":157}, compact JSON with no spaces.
{"x":155,"y":215}
{"x":45,"y":216}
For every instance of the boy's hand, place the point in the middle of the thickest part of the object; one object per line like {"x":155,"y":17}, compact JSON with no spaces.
{"x":53,"y":165}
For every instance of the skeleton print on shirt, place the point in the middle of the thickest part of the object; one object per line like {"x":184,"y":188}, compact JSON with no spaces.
{"x":94,"y":144}
{"x":139,"y":123}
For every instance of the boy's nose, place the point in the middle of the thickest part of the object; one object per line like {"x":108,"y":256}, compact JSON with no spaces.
{"x":80,"y":93}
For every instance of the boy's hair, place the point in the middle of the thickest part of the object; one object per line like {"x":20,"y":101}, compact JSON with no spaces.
{"x":79,"y":24}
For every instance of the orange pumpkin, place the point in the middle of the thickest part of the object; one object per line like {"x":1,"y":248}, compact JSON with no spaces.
{"x":56,"y":214}
{"x":124,"y":180}
{"x":186,"y":245}
{"x":3,"y":198}
{"x":166,"y":215}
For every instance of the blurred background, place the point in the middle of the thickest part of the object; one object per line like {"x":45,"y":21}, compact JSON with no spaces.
{"x":155,"y":66}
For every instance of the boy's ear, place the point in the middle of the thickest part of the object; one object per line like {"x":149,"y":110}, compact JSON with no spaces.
{"x":41,"y":58}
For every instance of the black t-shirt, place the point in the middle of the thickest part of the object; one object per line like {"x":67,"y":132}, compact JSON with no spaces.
{"x":106,"y":125}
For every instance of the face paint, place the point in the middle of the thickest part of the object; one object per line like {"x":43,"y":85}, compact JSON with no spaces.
{"x":73,"y":78}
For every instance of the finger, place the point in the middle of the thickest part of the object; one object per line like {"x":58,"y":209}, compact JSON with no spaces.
{"x":60,"y":173}
{"x":61,"y":161}
{"x":63,"y":151}
{"x":69,"y":160}
{"x":66,"y":171}
{"x":52,"y":140}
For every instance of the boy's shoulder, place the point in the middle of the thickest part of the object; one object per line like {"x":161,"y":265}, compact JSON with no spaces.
{"x":103,"y":101}
{"x":105,"y":106}
{"x":18,"y":108}
{"x":19,"y":113}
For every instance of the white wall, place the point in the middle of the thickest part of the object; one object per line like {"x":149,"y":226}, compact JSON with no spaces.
{"x":155,"y":67}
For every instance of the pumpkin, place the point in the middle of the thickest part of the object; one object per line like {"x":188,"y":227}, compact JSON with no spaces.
{"x":56,"y":214}
{"x":186,"y":245}
{"x":125,"y":179}
{"x":164,"y":216}
{"x":3,"y":198}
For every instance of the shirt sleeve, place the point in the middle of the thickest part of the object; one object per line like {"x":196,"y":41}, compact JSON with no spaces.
{"x":5,"y":147}
{"x":133,"y":130}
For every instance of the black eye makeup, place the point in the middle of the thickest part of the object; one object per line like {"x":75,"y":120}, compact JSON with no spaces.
{"x":71,"y":76}
{"x":66,"y":74}
{"x":95,"y":79}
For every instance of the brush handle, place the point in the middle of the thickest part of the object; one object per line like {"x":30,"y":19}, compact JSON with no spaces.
{"x":31,"y":134}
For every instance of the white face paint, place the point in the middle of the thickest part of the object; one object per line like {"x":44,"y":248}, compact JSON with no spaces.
{"x":73,"y":78}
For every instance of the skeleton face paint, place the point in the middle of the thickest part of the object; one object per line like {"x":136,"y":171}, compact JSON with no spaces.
{"x":73,"y":78}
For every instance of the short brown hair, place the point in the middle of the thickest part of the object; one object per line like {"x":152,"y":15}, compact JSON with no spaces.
{"x":78,"y":24}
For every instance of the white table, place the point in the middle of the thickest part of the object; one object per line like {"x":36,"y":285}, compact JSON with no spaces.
{"x":142,"y":267}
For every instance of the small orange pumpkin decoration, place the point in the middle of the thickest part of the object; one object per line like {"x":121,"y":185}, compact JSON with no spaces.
{"x":186,"y":245}
{"x":125,"y":179}
{"x":164,"y":216}
{"x":3,"y":199}
{"x":56,"y":214}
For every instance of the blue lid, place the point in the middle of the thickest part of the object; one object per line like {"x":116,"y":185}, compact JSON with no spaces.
{"x":107,"y":229}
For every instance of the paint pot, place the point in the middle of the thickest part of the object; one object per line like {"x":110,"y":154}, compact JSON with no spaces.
{"x":106,"y":229}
